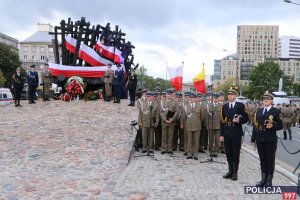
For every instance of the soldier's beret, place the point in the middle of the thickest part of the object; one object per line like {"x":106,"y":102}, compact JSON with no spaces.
{"x":215,"y":95}
{"x":144,"y":90}
{"x":268,"y":95}
{"x":32,"y":66}
{"x":208,"y":94}
{"x":155,"y":94}
{"x":169,"y":91}
{"x":232,"y":91}
{"x":193,"y":95}
{"x":163,"y":93}
{"x":178,"y":95}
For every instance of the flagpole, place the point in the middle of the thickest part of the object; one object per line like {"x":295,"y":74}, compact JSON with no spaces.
{"x":166,"y":74}
{"x":182,"y":77}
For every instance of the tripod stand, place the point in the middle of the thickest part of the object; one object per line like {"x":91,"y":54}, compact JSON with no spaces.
{"x":148,"y":154}
{"x":211,"y":160}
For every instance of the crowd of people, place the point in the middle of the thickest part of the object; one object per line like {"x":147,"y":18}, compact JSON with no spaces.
{"x":194,"y":124}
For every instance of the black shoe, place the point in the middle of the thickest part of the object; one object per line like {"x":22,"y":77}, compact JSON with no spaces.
{"x":228,"y":175}
{"x":185,"y":154}
{"x":196,"y":158}
{"x":144,"y":151}
{"x":152,"y":152}
{"x":234,"y":176}
{"x":163,"y":152}
{"x":174,"y":149}
{"x":263,"y":180}
{"x":214,"y":155}
{"x":44,"y":100}
{"x":170,"y":152}
{"x":47,"y":99}
{"x":202,"y":151}
{"x":284,"y":138}
{"x":30,"y":102}
{"x":156,"y":148}
{"x":222,"y":152}
{"x":189,"y":157}
{"x":205,"y":148}
{"x":115,"y":102}
{"x":33,"y":102}
{"x":181,"y":149}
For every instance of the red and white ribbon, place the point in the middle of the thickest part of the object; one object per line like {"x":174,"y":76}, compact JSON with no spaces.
{"x":109,"y":52}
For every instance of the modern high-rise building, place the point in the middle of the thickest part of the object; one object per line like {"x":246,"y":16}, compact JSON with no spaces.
{"x":38,"y":48}
{"x":257,"y":42}
{"x":289,"y":47}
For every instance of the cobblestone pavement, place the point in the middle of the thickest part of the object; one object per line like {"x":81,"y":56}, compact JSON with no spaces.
{"x":176,"y":178}
{"x":62,"y":150}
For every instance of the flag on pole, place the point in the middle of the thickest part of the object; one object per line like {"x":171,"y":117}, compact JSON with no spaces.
{"x":176,"y":74}
{"x":199,"y":81}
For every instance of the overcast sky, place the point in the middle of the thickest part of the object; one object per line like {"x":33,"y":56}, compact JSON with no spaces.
{"x":163,"y":31}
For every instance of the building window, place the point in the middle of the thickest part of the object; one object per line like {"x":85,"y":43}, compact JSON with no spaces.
{"x":24,"y":49}
{"x":42,"y":49}
{"x":42,"y":57}
{"x":33,"y":57}
{"x":25,"y":57}
{"x":51,"y":50}
{"x":33,"y":49}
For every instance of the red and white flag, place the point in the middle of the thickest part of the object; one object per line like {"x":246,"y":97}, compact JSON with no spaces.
{"x":176,"y":74}
{"x":109,"y":52}
{"x":86,"y":53}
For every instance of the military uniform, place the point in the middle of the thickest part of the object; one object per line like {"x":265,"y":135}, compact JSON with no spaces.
{"x":212,"y":121}
{"x":183,"y":123}
{"x":46,"y":77}
{"x":266,"y":139}
{"x":287,"y":119}
{"x":108,"y":79}
{"x":178,"y":132}
{"x":117,"y":83}
{"x":221,"y":102}
{"x":232,"y":133}
{"x":33,"y":83}
{"x":18,"y":84}
{"x":192,"y":116}
{"x":168,"y":111}
{"x":147,"y":120}
{"x":296,"y":112}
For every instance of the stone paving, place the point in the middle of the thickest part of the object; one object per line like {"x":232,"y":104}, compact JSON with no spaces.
{"x":62,"y":150}
{"x":80,"y":150}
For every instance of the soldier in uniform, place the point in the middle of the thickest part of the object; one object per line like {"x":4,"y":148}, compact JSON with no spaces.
{"x":18,"y":84}
{"x":178,"y":132}
{"x":46,"y":82}
{"x":296,"y":112}
{"x":221,"y":102}
{"x":108,"y":79}
{"x":233,"y":115}
{"x":204,"y":135}
{"x":192,"y":116}
{"x":185,"y":139}
{"x":117,"y":81}
{"x":266,"y":122}
{"x":157,"y":130}
{"x":147,"y":123}
{"x":33,"y":83}
{"x":213,"y":119}
{"x":287,"y":118}
{"x":168,"y":114}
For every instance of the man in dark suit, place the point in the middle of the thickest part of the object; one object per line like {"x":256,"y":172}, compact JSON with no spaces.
{"x":33,"y":83}
{"x":131,"y":85}
{"x":266,"y":122}
{"x":118,"y":77}
{"x":233,"y":115}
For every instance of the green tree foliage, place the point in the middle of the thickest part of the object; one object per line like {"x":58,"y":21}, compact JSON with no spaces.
{"x":264,"y":77}
{"x":226,"y":85}
{"x":2,"y":79}
{"x":149,"y":82}
{"x":9,"y":61}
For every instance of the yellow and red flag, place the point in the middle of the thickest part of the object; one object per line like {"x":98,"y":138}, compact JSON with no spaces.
{"x":199,"y":81}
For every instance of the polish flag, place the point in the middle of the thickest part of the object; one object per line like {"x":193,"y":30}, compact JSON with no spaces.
{"x":86,"y":53}
{"x":199,"y":81}
{"x":109,"y":52}
{"x":176,"y":74}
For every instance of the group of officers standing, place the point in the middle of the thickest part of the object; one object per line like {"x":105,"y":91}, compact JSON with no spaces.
{"x":170,"y":120}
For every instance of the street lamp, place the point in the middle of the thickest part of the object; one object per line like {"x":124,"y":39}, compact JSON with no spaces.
{"x":288,"y":1}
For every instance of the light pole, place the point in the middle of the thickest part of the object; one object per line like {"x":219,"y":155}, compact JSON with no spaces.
{"x":288,"y":1}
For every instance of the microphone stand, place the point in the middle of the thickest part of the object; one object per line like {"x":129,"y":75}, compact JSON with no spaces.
{"x":210,"y":159}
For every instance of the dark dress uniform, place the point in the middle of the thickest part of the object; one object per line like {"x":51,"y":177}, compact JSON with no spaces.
{"x":131,"y":85}
{"x":33,"y":83}
{"x":266,"y":141}
{"x":232,"y":133}
{"x":118,"y":77}
{"x":18,"y":84}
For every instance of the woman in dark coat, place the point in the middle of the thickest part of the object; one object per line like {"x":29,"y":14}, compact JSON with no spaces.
{"x":18,"y":83}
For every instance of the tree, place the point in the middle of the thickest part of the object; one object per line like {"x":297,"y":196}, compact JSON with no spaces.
{"x":2,"y":79}
{"x":226,"y":85}
{"x":9,"y":61}
{"x":264,"y":77}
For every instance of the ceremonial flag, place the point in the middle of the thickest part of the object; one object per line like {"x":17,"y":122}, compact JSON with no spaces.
{"x":199,"y":81}
{"x":109,"y":52}
{"x":85,"y":53}
{"x":176,"y":74}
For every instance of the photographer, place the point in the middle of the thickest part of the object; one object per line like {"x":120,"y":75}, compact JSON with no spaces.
{"x":266,"y":122}
{"x":33,"y":83}
{"x":131,"y":85}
